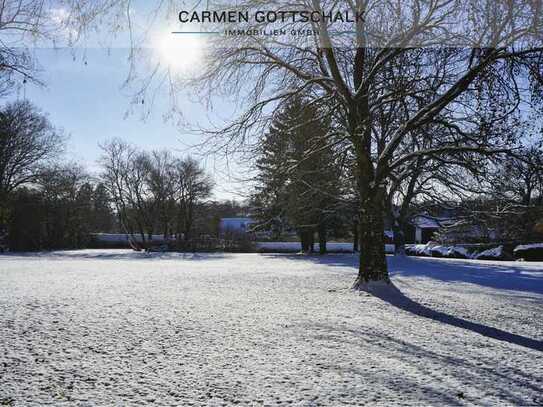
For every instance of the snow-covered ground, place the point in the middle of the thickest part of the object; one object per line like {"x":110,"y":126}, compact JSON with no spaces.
{"x":125,"y":328}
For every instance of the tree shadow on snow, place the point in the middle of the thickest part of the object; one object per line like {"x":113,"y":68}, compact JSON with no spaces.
{"x":528,"y":278}
{"x":525,"y":277}
{"x":392,"y":295}
{"x":505,"y":276}
{"x":427,"y":362}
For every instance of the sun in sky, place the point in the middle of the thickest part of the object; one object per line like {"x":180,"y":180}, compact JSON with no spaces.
{"x":181,"y":52}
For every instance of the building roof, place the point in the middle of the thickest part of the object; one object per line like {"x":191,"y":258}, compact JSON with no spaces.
{"x":426,"y":222}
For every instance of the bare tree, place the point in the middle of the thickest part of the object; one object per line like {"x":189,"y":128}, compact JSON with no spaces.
{"x":520,"y":177}
{"x":153,"y":191}
{"x":161,"y":180}
{"x":125,"y":170}
{"x":25,"y":24}
{"x":443,"y":180}
{"x":350,"y":75}
{"x":192,"y":186}
{"x":27,"y":142}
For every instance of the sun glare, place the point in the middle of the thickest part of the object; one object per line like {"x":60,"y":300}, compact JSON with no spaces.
{"x":181,"y":52}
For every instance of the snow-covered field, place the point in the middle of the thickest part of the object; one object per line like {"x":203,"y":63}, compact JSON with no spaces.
{"x":124,"y":328}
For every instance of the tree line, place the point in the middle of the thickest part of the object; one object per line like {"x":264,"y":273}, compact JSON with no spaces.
{"x":47,"y":203}
{"x":307,"y":184}
{"x":153,"y":191}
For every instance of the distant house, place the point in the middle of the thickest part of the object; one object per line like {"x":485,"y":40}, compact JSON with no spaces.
{"x":421,"y":228}
{"x":235,"y":225}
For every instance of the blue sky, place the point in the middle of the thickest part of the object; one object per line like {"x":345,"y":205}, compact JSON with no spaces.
{"x":84,"y":94}
{"x":89,"y":103}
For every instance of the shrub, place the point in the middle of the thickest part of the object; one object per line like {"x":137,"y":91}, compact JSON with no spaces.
{"x":530,"y":252}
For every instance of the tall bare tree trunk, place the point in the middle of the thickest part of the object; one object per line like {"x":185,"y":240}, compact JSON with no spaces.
{"x":304,"y":240}
{"x":355,"y":236}
{"x":322,"y":237}
{"x":373,"y":265}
